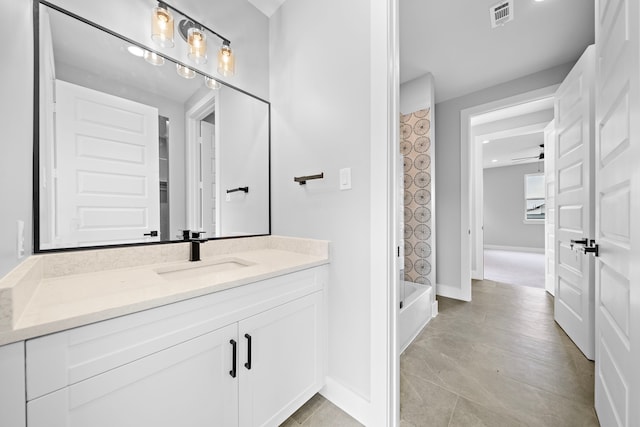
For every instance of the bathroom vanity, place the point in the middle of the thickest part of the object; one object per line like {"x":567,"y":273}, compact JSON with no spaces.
{"x":235,"y":339}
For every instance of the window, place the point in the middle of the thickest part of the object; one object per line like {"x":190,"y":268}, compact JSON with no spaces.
{"x":534,"y":197}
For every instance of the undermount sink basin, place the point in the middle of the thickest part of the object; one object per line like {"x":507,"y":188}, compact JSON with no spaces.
{"x":196,"y":269}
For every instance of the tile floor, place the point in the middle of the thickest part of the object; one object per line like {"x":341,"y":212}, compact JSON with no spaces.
{"x":498,"y":361}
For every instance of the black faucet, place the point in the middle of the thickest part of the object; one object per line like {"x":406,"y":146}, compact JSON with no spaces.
{"x":194,"y":254}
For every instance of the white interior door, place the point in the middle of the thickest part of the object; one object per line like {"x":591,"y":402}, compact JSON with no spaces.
{"x":107,"y":168}
{"x":208,"y":178}
{"x":617,"y":376}
{"x":550,"y":206}
{"x":574,"y":151}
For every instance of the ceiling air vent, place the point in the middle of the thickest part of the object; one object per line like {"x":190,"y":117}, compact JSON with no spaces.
{"x":501,"y":13}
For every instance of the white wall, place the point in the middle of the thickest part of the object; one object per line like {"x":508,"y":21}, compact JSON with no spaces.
{"x":321,"y":105}
{"x":417,"y":94}
{"x":243,"y":24}
{"x":318,"y":129}
{"x":447,"y":159}
{"x":16,"y":122}
{"x":504,"y":208}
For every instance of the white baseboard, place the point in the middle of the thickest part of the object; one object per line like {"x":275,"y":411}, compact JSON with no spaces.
{"x":450,"y":291}
{"x":515,"y":248}
{"x":348,"y":400}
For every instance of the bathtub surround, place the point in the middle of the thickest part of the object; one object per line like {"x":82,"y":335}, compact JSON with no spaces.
{"x":415,"y":146}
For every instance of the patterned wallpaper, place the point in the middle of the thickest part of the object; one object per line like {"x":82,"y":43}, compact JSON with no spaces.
{"x":415,"y":146}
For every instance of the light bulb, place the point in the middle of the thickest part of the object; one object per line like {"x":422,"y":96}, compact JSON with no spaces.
{"x":197,"y":40}
{"x":162,"y":26}
{"x":226,"y":60}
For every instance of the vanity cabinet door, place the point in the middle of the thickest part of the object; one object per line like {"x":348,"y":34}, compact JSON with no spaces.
{"x":12,"y":385}
{"x":188,"y":384}
{"x":286,"y":364}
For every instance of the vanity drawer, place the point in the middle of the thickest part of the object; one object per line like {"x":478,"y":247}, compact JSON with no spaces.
{"x":64,"y":358}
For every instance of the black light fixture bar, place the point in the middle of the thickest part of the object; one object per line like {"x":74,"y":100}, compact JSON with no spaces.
{"x":168,"y":6}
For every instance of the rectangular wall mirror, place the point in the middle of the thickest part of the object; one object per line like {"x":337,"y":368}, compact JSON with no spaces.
{"x":131,"y":152}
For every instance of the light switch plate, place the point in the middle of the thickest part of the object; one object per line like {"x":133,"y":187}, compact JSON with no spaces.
{"x":345,"y":179}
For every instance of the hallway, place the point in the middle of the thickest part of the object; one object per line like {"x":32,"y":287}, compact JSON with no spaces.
{"x":499,"y":360}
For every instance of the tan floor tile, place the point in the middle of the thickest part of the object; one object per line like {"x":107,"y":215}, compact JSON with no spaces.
{"x":423,"y":403}
{"x":330,"y":415}
{"x":470,"y":414}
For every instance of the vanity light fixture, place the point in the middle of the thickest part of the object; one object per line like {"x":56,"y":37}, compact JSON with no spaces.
{"x":212,"y":83}
{"x":162,"y":25}
{"x":153,"y":58}
{"x":226,"y":60}
{"x":194,"y":34}
{"x":185,"y":72}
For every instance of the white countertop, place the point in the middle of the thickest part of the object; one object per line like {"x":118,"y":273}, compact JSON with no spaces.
{"x":53,"y":304}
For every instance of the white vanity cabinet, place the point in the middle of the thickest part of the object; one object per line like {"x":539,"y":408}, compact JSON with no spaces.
{"x":174,"y":365}
{"x":284,"y":366}
{"x":12,"y":413}
{"x":187,"y":384}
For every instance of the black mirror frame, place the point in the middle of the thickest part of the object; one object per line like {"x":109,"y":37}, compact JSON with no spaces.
{"x":36,"y":132}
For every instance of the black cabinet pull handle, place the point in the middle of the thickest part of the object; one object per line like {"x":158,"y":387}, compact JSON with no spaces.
{"x":248,"y":364}
{"x":232,"y":372}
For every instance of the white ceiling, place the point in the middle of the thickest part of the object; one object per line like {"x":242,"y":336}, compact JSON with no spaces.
{"x":454,"y":41}
{"x":502,"y":151}
{"x":268,"y":7}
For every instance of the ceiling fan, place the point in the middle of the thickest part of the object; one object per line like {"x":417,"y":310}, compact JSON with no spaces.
{"x":538,"y":157}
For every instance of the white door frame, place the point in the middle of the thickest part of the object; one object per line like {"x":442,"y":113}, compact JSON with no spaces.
{"x":468,"y":167}
{"x":199,"y":111}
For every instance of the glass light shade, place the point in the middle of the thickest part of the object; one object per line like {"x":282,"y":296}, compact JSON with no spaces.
{"x":162,"y":27}
{"x":226,"y":61}
{"x":212,"y":83}
{"x":153,"y":58}
{"x":185,"y":72}
{"x":197,"y":40}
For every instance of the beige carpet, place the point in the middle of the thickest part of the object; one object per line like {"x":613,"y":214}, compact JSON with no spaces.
{"x":514,"y":268}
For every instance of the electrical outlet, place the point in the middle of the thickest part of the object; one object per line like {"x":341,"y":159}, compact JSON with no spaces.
{"x":20,"y":239}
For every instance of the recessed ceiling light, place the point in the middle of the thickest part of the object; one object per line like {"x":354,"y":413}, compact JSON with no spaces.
{"x":136,"y":51}
{"x":538,"y":1}
{"x":494,"y":161}
{"x":486,"y":141}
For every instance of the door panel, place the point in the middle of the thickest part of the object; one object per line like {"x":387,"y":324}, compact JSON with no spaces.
{"x":107,"y":168}
{"x":286,"y":361}
{"x":617,"y":376}
{"x":574,"y":148}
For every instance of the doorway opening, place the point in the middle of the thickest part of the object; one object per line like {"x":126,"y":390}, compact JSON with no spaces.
{"x":501,"y":143}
